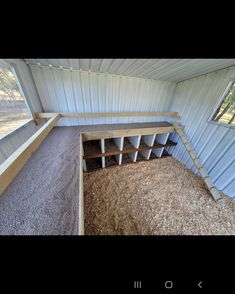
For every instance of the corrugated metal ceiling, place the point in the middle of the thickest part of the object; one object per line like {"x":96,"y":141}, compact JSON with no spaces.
{"x":174,"y":70}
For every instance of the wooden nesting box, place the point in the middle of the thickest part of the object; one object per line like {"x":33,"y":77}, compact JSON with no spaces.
{"x":122,"y":146}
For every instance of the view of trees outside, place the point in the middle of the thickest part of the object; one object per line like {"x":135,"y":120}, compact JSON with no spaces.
{"x":226,"y":111}
{"x":13,"y":110}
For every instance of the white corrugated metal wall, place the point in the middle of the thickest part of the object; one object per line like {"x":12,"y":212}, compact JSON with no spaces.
{"x":64,"y":90}
{"x":196,"y":99}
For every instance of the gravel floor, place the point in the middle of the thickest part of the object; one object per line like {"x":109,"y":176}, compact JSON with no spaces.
{"x":43,"y":197}
{"x":159,"y":197}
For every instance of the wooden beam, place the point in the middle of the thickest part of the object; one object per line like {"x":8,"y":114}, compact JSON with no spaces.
{"x":174,"y":115}
{"x":133,"y":162}
{"x":10,"y":168}
{"x":126,"y":133}
{"x":81,"y":196}
{"x":45,"y":114}
{"x":214,"y":192}
{"x":39,"y":121}
{"x":126,"y":151}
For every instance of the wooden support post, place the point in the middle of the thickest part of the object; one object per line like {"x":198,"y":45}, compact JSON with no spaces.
{"x":162,"y":139}
{"x":135,"y":141}
{"x":81,"y":196}
{"x":214,"y":192}
{"x":119,"y":143}
{"x":84,"y":161}
{"x":149,"y":141}
{"x":102,"y":145}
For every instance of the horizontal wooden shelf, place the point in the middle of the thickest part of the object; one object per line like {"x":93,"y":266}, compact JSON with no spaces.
{"x":130,"y":150}
{"x":128,"y":161}
{"x":162,"y":128}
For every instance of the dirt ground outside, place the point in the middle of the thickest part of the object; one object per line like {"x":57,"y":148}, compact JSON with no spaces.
{"x":13,"y":110}
{"x":159,"y":197}
{"x":13,"y":114}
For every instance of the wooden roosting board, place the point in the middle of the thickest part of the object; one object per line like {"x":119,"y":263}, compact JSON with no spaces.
{"x":214,"y":192}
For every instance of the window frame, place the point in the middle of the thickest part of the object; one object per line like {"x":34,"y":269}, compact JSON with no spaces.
{"x":21,"y":91}
{"x":220,"y":100}
{"x":12,"y":68}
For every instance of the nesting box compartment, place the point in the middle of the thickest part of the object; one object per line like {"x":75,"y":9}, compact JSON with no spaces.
{"x":108,"y":152}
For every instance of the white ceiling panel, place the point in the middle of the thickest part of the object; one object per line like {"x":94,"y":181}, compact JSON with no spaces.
{"x":174,"y":70}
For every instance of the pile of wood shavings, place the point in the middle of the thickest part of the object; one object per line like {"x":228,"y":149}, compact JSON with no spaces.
{"x":159,"y":197}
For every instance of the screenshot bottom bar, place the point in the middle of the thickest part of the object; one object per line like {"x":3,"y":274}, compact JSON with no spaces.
{"x":168,"y":285}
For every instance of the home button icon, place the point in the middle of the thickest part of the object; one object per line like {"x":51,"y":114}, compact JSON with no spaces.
{"x":168,"y":284}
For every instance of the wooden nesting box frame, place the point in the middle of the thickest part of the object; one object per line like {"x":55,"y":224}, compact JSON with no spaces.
{"x":140,"y":142}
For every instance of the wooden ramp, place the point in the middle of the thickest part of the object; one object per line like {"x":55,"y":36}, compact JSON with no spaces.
{"x":214,"y":192}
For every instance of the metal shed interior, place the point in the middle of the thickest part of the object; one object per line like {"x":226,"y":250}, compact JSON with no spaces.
{"x":150,"y":88}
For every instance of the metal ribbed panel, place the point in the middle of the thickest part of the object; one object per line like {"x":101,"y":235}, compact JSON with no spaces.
{"x":83,"y":91}
{"x":174,"y":70}
{"x":196,"y":99}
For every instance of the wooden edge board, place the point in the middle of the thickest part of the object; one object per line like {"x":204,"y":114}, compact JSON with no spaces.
{"x":81,"y":195}
{"x":39,"y":121}
{"x":81,"y":146}
{"x":215,"y":194}
{"x":45,"y":114}
{"x":208,"y":182}
{"x":126,"y":151}
{"x":128,"y":163}
{"x":203,"y":173}
{"x":174,"y":115}
{"x":13,"y":164}
{"x":88,"y":136}
{"x":179,"y":129}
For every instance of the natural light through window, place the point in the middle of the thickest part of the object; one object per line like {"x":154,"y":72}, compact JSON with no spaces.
{"x":225,"y":113}
{"x":13,"y":109}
